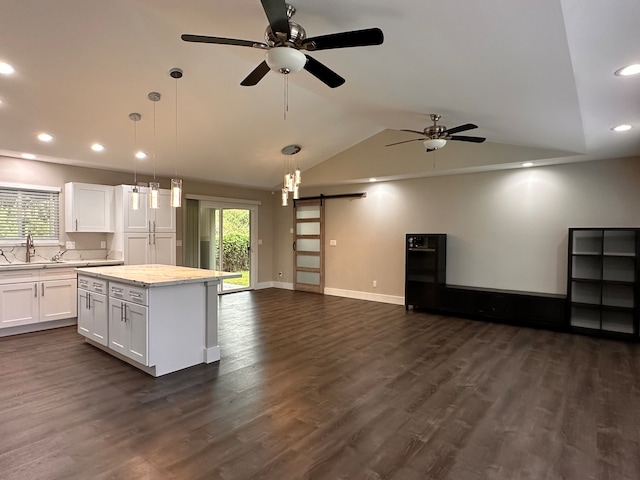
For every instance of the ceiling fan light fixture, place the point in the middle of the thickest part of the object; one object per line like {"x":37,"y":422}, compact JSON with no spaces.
{"x":285,"y":60}
{"x":434,"y":143}
{"x":628,"y":70}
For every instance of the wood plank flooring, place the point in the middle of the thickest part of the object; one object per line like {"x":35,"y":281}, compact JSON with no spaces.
{"x":322,"y":387}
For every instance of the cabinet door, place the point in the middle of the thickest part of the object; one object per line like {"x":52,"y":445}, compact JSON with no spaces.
{"x":18,"y":304}
{"x":58,"y":299}
{"x":136,"y":221}
{"x":88,"y":207}
{"x":163,"y":248}
{"x":117,"y":327}
{"x":163,"y":219}
{"x":100,"y":314}
{"x":137,"y":248}
{"x":85,"y":317}
{"x":137,"y":341}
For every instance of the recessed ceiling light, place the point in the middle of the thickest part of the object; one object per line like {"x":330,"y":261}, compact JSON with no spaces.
{"x":628,"y":70}
{"x":527,"y":164}
{"x":6,"y":69}
{"x":141,"y":155}
{"x":373,"y":179}
{"x":28,"y":156}
{"x":44,"y":137}
{"x":96,"y":147}
{"x":621,"y":128}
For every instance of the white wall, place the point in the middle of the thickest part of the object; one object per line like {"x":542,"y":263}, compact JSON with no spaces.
{"x":506,"y":229}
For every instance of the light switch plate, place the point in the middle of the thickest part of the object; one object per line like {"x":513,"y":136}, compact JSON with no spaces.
{"x":333,"y":243}
{"x":70,"y":245}
{"x":259,"y":241}
{"x":178,"y":243}
{"x":103,"y":244}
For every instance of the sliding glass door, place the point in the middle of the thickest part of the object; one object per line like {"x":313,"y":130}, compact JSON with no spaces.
{"x":225,"y":240}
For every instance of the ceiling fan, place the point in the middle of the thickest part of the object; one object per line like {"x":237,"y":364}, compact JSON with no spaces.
{"x":285,"y":41}
{"x":436,"y":136}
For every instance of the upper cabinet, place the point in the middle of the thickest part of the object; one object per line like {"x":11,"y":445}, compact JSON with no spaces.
{"x":145,"y":219}
{"x":88,"y":207}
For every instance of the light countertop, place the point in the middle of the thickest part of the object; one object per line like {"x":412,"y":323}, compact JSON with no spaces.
{"x":155,"y":275}
{"x":51,"y":264}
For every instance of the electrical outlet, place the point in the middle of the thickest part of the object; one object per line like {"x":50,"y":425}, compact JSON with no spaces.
{"x":375,"y":283}
{"x":259,"y":241}
{"x":279,"y":274}
{"x":103,"y":244}
{"x":70,"y":245}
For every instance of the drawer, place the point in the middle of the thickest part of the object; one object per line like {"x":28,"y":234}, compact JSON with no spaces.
{"x":128,"y":293}
{"x":18,"y":275}
{"x":92,"y":284}
{"x":57,"y":273}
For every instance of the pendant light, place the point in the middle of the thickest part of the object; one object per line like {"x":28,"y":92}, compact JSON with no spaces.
{"x":292,"y":177}
{"x":176,"y":183}
{"x":135,"y":192}
{"x":154,"y":187}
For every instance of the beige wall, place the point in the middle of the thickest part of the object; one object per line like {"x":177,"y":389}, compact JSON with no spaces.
{"x":506,"y":229}
{"x":13,"y":170}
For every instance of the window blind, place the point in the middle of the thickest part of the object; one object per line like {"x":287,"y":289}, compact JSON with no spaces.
{"x":26,"y":210}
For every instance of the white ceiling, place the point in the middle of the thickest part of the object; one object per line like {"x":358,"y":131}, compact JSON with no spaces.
{"x":537,"y":75}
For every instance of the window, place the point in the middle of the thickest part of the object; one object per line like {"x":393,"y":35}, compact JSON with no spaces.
{"x":29,"y":209}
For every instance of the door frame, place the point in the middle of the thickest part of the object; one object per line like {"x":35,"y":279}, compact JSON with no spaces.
{"x":235,"y":203}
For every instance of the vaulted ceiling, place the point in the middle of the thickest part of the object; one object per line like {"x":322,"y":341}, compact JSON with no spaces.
{"x":536,"y":77}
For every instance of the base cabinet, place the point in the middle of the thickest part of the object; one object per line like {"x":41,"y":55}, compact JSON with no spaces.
{"x":128,"y":324}
{"x":92,"y":315}
{"x":31,"y":296}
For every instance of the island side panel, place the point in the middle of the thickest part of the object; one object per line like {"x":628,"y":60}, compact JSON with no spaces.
{"x":177,"y":329}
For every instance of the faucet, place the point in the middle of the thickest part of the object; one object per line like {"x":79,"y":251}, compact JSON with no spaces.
{"x":58,"y":256}
{"x":31,"y":250}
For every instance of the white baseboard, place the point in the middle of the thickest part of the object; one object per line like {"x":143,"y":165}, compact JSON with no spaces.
{"x":262,"y":285}
{"x":338,"y":292}
{"x":212,"y":354}
{"x":372,"y":297}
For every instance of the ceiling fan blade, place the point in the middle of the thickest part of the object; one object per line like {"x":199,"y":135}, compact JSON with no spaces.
{"x":460,"y":128}
{"x":323,"y":73}
{"x":412,"y":131}
{"x":276,"y":11}
{"x":355,"y":38}
{"x":222,"y":41}
{"x":463,"y":138}
{"x":405,"y":141}
{"x":258,"y":74}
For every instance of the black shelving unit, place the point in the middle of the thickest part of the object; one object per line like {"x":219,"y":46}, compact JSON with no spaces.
{"x":425,"y":269}
{"x":602,"y":281}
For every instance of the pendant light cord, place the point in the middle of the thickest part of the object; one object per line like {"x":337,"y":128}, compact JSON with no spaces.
{"x":176,"y":160}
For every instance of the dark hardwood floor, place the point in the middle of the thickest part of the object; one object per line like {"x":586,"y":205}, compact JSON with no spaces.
{"x":313,"y":386}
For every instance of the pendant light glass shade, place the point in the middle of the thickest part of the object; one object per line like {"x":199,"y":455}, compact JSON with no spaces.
{"x":135,"y":198}
{"x":285,"y":197}
{"x":154,"y":189}
{"x":176,"y":192}
{"x":297,"y":177}
{"x":135,"y":192}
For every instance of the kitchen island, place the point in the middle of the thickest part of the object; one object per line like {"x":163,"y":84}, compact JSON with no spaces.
{"x":158,"y":318}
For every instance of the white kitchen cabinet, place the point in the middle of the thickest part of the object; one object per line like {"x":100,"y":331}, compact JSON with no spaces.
{"x":31,"y":296}
{"x":88,"y":207}
{"x":93,"y":312}
{"x":18,"y":304}
{"x":145,"y":219}
{"x":145,"y":235}
{"x":128,"y":322}
{"x":143,"y":248}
